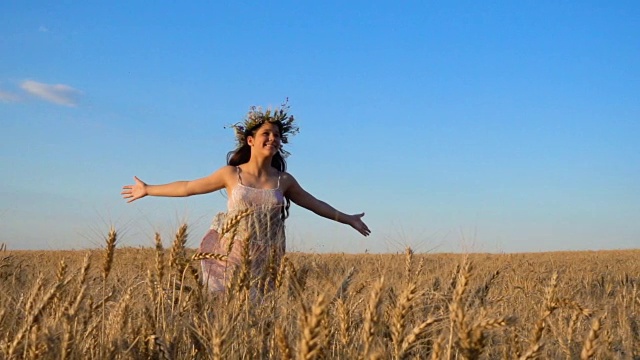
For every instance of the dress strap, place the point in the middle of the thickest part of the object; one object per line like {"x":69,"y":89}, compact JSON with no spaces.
{"x":239,"y":178}
{"x":279,"y":174}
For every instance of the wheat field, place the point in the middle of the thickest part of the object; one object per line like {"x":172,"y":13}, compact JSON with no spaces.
{"x":148,"y":303}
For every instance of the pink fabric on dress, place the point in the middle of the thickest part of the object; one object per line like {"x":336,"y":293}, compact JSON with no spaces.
{"x":263,"y":228}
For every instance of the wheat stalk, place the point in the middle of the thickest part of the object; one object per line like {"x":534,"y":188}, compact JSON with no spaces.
{"x":549,"y":306}
{"x":178,"y":254}
{"x":207,"y":255}
{"x":437,"y":348}
{"x":159,"y":257}
{"x":312,"y":331}
{"x":457,"y":312}
{"x":344,"y":318}
{"x":33,"y":318}
{"x":106,"y":270}
{"x":218,"y":343}
{"x":590,"y":343}
{"x":408,"y":261}
{"x":233,"y":221}
{"x":108,"y":255}
{"x":532,"y":353}
{"x":371,"y":318}
{"x":571,"y":329}
{"x":84,"y":271}
{"x":411,"y":340}
{"x":399,"y":316}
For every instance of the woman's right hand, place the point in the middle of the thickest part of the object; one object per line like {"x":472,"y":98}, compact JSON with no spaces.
{"x":135,"y":191}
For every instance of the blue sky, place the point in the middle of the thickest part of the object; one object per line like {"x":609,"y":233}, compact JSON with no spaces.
{"x":496,"y":126}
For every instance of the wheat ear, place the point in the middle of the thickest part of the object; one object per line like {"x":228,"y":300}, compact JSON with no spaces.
{"x":159,"y":257}
{"x":283,"y":344}
{"x":109,"y":251}
{"x":399,"y":315}
{"x":207,"y":255}
{"x":371,"y":317}
{"x":33,"y":318}
{"x":408,"y":261}
{"x":312,"y":333}
{"x":177,"y":254}
{"x":106,"y":270}
{"x":411,"y":340}
{"x":590,"y":343}
{"x":456,"y":309}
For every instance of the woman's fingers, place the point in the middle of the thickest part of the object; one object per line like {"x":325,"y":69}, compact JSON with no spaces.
{"x":128,"y":191}
{"x":360,"y":226}
{"x":134,"y":191}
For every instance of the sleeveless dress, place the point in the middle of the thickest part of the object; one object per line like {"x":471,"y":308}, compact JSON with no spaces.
{"x":263,"y":228}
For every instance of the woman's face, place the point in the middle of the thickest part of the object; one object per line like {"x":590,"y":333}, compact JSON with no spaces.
{"x":266,"y":139}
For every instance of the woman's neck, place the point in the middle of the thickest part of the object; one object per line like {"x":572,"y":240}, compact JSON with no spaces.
{"x":258,"y":167}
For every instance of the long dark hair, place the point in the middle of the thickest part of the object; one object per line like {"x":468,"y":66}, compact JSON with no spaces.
{"x":242,"y":155}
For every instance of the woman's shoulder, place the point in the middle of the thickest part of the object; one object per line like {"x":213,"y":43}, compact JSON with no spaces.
{"x":230,"y":168}
{"x":225,"y":171}
{"x":285,"y":175}
{"x":287,"y":179}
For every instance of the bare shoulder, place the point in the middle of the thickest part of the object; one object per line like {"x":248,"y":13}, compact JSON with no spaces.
{"x":286,"y":178}
{"x":224,"y":176}
{"x":228,"y":169}
{"x":226,"y":172}
{"x":288,"y":182}
{"x":215,"y":181}
{"x":294,"y":191}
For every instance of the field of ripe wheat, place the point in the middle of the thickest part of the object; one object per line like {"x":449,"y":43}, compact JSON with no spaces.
{"x":147,"y":303}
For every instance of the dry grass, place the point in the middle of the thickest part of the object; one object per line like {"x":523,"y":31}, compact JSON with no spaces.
{"x":134,"y":304}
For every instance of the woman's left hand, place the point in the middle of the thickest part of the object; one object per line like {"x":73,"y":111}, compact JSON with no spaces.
{"x":356,"y":222}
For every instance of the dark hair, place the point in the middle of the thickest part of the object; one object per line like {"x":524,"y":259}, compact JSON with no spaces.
{"x":242,"y":155}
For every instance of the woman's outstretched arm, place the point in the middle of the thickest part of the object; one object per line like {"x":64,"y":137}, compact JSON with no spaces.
{"x":213,"y":182}
{"x":299,"y":196}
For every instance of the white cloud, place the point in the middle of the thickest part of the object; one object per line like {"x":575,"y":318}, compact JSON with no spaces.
{"x":43,"y":28}
{"x":8,"y":97}
{"x":57,"y":93}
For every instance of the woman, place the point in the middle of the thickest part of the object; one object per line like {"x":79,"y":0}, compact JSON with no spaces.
{"x":260,"y":191}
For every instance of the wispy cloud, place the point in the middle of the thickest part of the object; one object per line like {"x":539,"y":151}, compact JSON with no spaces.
{"x":8,"y":97}
{"x":56,"y":93}
{"x":43,"y":28}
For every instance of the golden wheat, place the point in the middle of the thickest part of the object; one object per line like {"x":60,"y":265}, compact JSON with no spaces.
{"x":58,"y":305}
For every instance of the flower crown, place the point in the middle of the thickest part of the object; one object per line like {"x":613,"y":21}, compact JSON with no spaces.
{"x":256,"y":117}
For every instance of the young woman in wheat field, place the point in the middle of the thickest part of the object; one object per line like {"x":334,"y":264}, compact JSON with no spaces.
{"x":259,"y":193}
